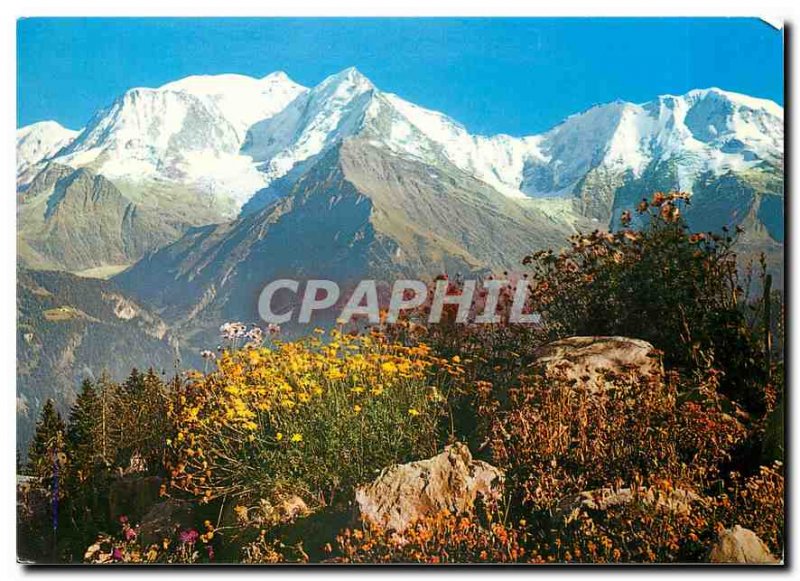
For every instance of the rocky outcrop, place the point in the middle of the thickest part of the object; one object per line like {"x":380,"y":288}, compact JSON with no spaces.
{"x":133,"y":496}
{"x":268,"y":513}
{"x":450,"y":481}
{"x":741,"y":545}
{"x":674,"y":501}
{"x":164,"y":518}
{"x":586,"y":359}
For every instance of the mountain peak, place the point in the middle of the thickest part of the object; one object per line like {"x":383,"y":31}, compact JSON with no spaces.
{"x":739,"y":99}
{"x":277,"y":76}
{"x":39,"y":141}
{"x":350,"y":76}
{"x":42,"y":126}
{"x":351,"y":73}
{"x":226,"y":82}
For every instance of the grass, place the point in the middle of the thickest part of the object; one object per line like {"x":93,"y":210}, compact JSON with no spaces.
{"x":63,"y":313}
{"x":103,"y":272}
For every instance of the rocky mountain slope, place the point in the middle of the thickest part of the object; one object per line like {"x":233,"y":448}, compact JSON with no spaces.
{"x":597,"y":161}
{"x":153,"y":163}
{"x":75,"y":220}
{"x":360,"y":212}
{"x":70,"y":328}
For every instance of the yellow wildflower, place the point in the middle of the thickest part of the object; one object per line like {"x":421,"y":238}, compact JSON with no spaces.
{"x":297,"y":437}
{"x":413,"y":412}
{"x":240,"y":512}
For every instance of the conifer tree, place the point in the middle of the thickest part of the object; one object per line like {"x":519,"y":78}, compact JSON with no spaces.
{"x":47,"y":448}
{"x":109,"y":429}
{"x":83,"y":432}
{"x":141,"y":409}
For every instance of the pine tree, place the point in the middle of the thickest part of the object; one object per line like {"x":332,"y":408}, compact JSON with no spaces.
{"x":156,"y":425}
{"x":83,"y":432}
{"x":142,"y":413}
{"x":134,"y":384}
{"x":47,"y":447}
{"x":109,"y":423}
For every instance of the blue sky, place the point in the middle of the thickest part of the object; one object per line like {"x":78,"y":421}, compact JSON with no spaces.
{"x":516,"y":76}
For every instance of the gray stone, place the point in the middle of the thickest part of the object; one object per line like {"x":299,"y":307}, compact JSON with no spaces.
{"x":741,"y":545}
{"x":586,"y":359}
{"x":675,"y":501}
{"x":450,"y":481}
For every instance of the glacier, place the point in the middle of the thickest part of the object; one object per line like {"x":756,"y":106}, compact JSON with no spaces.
{"x":231,"y":136}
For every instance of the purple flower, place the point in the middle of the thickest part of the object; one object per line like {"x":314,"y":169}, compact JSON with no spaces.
{"x":210,"y":551}
{"x":116,"y":554}
{"x":188,"y":536}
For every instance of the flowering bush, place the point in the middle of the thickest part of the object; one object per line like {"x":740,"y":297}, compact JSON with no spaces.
{"x":311,"y":417}
{"x":557,"y":438}
{"x":264,"y":551}
{"x":184,"y":546}
{"x":757,"y":503}
{"x":632,"y":532}
{"x":441,"y":538}
{"x":662,"y":283}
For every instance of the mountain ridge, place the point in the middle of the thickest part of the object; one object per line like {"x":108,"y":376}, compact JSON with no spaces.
{"x":532,"y":152}
{"x":208,"y":148}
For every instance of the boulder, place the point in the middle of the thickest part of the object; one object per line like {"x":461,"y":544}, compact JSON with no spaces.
{"x":674,"y":501}
{"x":270,"y":513}
{"x":740,"y":545}
{"x":133,"y":496}
{"x":450,"y":481}
{"x":585,"y":359}
{"x":164,"y":518}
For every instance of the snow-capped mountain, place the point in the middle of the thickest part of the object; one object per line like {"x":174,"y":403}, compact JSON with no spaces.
{"x":230,"y":136}
{"x":187,"y":132}
{"x":348,"y":104}
{"x":203,"y":149}
{"x":40,"y":141}
{"x":704,"y":130}
{"x":363,"y":183}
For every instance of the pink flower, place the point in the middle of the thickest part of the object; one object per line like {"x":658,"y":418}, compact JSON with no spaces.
{"x":188,"y":536}
{"x":129,"y":533}
{"x":116,"y":554}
